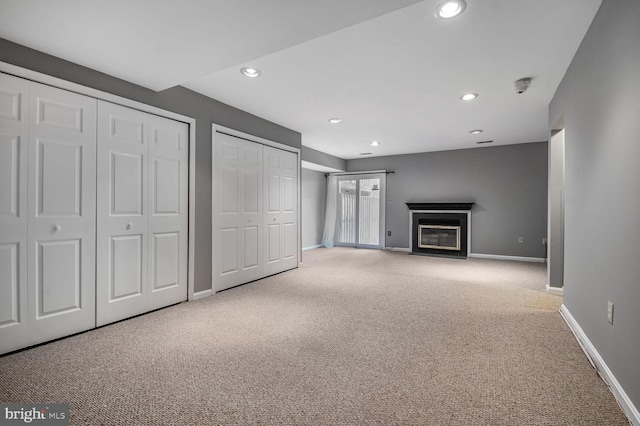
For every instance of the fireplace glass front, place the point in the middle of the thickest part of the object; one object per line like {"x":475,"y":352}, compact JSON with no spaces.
{"x":439,"y":237}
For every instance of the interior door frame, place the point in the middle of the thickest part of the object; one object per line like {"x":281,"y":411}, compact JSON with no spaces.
{"x":555,"y":209}
{"x":105,"y":96}
{"x":216,"y":129}
{"x":383,"y":207}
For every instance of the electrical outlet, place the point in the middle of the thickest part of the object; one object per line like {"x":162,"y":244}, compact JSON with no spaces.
{"x":521,"y":240}
{"x":610,"y":312}
{"x":388,"y":233}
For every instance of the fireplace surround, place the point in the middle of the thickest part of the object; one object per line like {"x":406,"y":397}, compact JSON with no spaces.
{"x":440,"y":229}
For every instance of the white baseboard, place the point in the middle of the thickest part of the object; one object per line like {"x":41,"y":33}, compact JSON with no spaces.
{"x":483,"y":256}
{"x":503,"y":257}
{"x":202,"y":294}
{"x":312,"y":247}
{"x":402,"y":249}
{"x":558,"y":291}
{"x":603,"y":370}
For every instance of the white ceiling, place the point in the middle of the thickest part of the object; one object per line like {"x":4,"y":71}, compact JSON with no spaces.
{"x":388,"y":68}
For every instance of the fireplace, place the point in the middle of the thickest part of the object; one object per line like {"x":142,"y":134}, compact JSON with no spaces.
{"x":440,"y":229}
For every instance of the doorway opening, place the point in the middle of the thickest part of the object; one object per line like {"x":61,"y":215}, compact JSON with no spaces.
{"x":555,"y":242}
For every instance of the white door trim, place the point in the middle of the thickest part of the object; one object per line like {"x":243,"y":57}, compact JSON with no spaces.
{"x":105,"y":96}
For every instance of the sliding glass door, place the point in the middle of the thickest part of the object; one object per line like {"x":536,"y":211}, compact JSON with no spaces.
{"x":360,"y":211}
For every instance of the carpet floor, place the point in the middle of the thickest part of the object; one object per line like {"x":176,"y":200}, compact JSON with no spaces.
{"x":351,"y":337}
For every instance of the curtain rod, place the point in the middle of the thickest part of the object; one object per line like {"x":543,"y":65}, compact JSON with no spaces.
{"x":372,"y":172}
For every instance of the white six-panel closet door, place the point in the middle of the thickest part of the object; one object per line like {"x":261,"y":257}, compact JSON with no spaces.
{"x":47,"y":213}
{"x":238,"y":212}
{"x":61,"y":204}
{"x":281,"y":210}
{"x":121,"y":246}
{"x":142,"y":212}
{"x":168,"y":217}
{"x":14,"y":123}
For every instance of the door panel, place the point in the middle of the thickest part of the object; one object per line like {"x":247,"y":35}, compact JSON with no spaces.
{"x":61,"y":199}
{"x":164,"y":137}
{"x":58,"y":189}
{"x":273,"y":193}
{"x":290,"y":248}
{"x":281,"y":216}
{"x":126,"y":186}
{"x":10,"y":169}
{"x":273,"y":245}
{"x":59,"y":114}
{"x":168,"y":217}
{"x":251,"y":192}
{"x":252,"y":155}
{"x":229,"y":189}
{"x":126,"y":256}
{"x":229,"y":256}
{"x":58,"y":280}
{"x":167,"y":188}
{"x":237,"y":209}
{"x":251,"y":252}
{"x":123,"y":168}
{"x":13,"y":93}
{"x":9,"y":285}
{"x":290,"y":194}
{"x":229,"y":151}
{"x":14,"y":136}
{"x":127,"y":126}
{"x":165,"y":255}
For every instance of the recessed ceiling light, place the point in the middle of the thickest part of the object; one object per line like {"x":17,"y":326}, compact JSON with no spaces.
{"x":476,"y":131}
{"x":365,"y":153}
{"x":450,"y":8}
{"x":374,"y":143}
{"x":335,"y":120}
{"x":250,"y":72}
{"x":469,"y":96}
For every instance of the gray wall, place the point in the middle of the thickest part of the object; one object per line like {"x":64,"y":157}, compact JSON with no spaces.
{"x":320,"y":158}
{"x":599,"y":98}
{"x":314,"y":200}
{"x":507,"y":183}
{"x":179,"y":100}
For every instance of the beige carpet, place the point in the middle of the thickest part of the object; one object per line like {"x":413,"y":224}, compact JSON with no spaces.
{"x":352,"y":337}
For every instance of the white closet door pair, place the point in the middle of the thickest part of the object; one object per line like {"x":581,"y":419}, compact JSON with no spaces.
{"x":48,"y":143}
{"x":47,"y":213}
{"x":255,"y":208}
{"x":142,"y":214}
